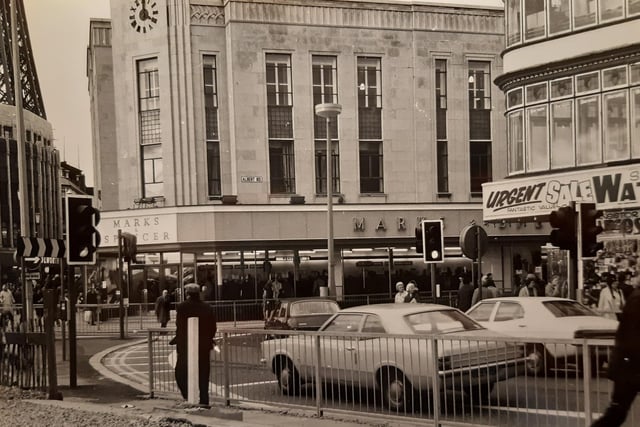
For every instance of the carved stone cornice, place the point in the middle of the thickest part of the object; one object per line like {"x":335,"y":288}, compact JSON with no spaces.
{"x":207,"y":15}
{"x":353,"y":14}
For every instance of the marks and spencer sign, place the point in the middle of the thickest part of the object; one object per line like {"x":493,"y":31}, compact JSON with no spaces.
{"x":608,"y":188}
{"x":149,"y":229}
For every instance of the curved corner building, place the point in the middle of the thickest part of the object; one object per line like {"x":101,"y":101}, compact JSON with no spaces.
{"x":572,"y":84}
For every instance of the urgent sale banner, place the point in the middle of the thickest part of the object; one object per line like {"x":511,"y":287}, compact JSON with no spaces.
{"x":609,"y":188}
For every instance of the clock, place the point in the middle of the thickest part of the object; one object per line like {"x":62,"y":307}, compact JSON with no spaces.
{"x":143,"y":15}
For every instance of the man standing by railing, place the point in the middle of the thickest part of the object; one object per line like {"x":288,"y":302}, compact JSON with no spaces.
{"x":624,"y":363}
{"x":194,"y":307}
{"x":163,"y":308}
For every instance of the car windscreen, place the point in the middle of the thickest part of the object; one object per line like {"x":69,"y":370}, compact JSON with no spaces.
{"x":441,"y":322}
{"x":567,"y":309}
{"x":304,"y":308}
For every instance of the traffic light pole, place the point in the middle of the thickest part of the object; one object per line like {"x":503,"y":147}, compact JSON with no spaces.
{"x":71,"y":315}
{"x":120,"y":284}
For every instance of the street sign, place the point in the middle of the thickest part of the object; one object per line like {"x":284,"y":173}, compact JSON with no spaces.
{"x":36,"y":247}
{"x":32,"y":276}
{"x":473,"y":241}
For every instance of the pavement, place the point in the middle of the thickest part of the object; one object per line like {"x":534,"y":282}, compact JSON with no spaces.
{"x":100,"y":390}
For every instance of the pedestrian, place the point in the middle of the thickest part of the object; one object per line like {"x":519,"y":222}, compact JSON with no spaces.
{"x":6,"y":307}
{"x":163,"y":308}
{"x":194,"y":307}
{"x":412,"y":293}
{"x":611,"y":300}
{"x":486,"y":290}
{"x":465,"y":294}
{"x":400,"y":293}
{"x":553,"y":287}
{"x":267,"y":300}
{"x":624,"y":364}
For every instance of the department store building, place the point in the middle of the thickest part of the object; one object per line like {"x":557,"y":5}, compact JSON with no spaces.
{"x":208,"y":149}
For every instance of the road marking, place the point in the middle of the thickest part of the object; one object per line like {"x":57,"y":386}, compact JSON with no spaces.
{"x":548,"y":412}
{"x":254,"y":383}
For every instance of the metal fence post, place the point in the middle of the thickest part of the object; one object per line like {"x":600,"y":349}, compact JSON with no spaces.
{"x":586,"y":372}
{"x":318,"y":381}
{"x":235,"y":317}
{"x":225,"y":364}
{"x":435,"y":381}
{"x":150,"y":350}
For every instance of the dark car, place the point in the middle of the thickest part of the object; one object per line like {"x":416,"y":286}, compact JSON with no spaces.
{"x":302,"y":313}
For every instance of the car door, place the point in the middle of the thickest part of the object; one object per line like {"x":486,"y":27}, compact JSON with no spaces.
{"x":483,"y":313}
{"x":369,"y":351}
{"x":339,"y":353}
{"x":509,"y":319}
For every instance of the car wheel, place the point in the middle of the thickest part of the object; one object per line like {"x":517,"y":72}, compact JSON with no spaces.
{"x":288,"y":377}
{"x":396,"y":390}
{"x":537,"y":362}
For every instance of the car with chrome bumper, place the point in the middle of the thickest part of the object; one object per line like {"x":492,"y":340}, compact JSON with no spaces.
{"x":404,"y":351}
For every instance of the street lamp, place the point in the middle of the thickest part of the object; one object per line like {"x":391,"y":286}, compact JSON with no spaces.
{"x":329,"y":111}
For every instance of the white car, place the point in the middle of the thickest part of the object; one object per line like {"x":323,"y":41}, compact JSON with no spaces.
{"x":386,"y":347}
{"x":541,"y":318}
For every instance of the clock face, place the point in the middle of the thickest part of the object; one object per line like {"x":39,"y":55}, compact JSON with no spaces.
{"x":143,"y":15}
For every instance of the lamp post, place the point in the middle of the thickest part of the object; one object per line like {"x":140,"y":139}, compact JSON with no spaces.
{"x":329,"y":111}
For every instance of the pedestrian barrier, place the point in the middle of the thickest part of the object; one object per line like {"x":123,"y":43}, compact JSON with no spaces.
{"x":451,"y":379}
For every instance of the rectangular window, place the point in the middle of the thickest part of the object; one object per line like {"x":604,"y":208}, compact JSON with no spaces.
{"x":479,"y":89}
{"x":561,"y":88}
{"x":516,"y":142}
{"x":611,"y":9}
{"x":514,"y":21}
{"x":210,"y":93}
{"x":614,"y":77}
{"x":480,"y":153}
{"x":537,"y":139}
{"x":280,"y":123}
{"x":584,"y":13}
{"x":616,"y":122}
{"x":369,"y":75}
{"x":559,"y":16}
{"x":371,"y":167}
{"x":149,"y":125}
{"x":282,"y":167}
{"x":534,"y":19}
{"x":588,"y":135}
{"x":152,"y":169}
{"x":633,"y":7}
{"x":442,"y":154}
{"x":562,"y":149}
{"x":325,"y":90}
{"x":635,"y":122}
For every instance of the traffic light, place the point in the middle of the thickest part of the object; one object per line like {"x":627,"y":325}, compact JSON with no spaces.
{"x":589,"y":229}
{"x":563,"y":222}
{"x":433,"y":241}
{"x":419,"y":240}
{"x":83,"y":238}
{"x":129,"y":246}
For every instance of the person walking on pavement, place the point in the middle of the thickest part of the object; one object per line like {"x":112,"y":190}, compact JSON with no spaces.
{"x":163,"y":308}
{"x":486,"y":290}
{"x":400,"y":293}
{"x":624,"y":364}
{"x":412,"y":293}
{"x":465,"y":294}
{"x":6,"y":307}
{"x":194,"y":307}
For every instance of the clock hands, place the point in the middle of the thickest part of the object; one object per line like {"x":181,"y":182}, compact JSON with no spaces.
{"x":144,"y":13}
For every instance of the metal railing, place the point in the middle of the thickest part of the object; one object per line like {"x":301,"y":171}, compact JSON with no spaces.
{"x":490,"y":380}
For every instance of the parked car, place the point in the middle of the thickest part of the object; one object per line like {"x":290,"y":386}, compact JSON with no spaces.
{"x":302,"y":313}
{"x":541,"y":318}
{"x":387,"y":347}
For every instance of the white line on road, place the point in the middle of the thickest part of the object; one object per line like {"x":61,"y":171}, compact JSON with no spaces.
{"x":559,"y":413}
{"x":254,"y":383}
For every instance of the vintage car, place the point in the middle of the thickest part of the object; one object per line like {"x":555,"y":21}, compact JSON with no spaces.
{"x":302,"y":313}
{"x":390,"y":348}
{"x":544,"y":318}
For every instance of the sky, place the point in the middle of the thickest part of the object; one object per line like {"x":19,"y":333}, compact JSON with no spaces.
{"x":59,"y":34}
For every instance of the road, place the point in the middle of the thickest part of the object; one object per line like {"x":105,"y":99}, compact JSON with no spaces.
{"x":554,"y":400}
